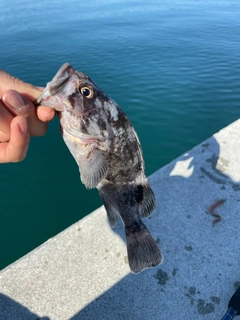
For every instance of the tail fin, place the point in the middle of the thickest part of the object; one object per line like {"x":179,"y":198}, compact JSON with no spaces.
{"x":143,"y":251}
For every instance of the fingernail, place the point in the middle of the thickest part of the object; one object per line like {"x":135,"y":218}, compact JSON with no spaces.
{"x":14,"y":100}
{"x":23,"y":126}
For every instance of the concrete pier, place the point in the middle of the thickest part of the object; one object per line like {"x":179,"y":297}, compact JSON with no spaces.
{"x":83,"y":273}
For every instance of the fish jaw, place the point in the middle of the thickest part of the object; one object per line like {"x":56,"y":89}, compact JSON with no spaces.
{"x":50,"y":101}
{"x":56,"y":92}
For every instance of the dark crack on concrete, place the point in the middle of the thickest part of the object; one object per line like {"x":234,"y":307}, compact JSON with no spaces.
{"x":174,"y":271}
{"x":205,"y":145}
{"x":192,"y":290}
{"x":162,"y":277}
{"x":191,"y":299}
{"x":236,"y":187}
{"x":205,"y":307}
{"x":212,"y":177}
{"x":190,"y":294}
{"x":215,"y":300}
{"x":213,"y":161}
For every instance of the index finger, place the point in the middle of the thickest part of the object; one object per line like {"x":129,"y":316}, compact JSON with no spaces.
{"x":8,"y":82}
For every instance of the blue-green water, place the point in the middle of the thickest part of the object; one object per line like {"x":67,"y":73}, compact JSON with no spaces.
{"x":173,"y":67}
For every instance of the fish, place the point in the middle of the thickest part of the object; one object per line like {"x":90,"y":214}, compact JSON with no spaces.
{"x":106,"y":147}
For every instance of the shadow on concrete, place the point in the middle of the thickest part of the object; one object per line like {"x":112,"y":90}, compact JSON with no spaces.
{"x":12,"y":310}
{"x":130,"y":298}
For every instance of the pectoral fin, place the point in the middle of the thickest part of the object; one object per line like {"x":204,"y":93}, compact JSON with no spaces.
{"x":147,"y":204}
{"x":110,"y":209}
{"x":93,"y":168}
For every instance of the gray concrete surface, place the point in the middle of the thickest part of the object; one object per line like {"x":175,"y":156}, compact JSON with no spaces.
{"x":82,"y":273}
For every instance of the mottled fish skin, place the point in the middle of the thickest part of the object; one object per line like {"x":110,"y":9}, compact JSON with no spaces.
{"x":107,"y":150}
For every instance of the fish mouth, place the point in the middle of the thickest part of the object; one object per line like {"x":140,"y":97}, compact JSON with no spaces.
{"x":62,"y":76}
{"x":55,"y":85}
{"x":85,"y":138}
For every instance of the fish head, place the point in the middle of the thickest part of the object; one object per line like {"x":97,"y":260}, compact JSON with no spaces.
{"x":80,"y":102}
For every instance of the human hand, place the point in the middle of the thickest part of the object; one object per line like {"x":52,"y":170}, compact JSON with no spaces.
{"x":19,"y":118}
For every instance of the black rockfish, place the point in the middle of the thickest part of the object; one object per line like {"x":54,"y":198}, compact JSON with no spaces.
{"x":107,"y":150}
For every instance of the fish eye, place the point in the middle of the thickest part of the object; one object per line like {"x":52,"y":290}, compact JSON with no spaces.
{"x":87,"y":92}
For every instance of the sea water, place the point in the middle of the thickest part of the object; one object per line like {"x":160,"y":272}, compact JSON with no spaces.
{"x":172,"y":66}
